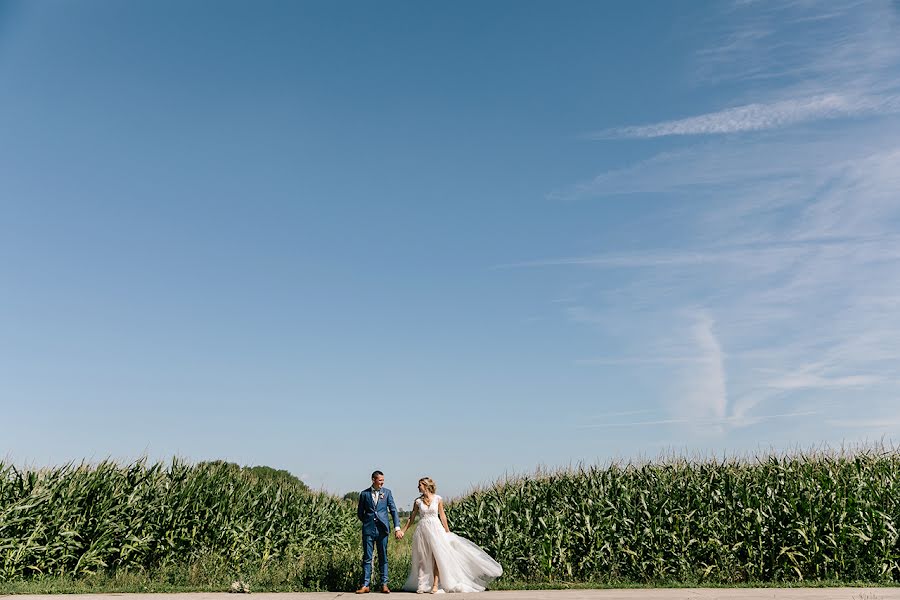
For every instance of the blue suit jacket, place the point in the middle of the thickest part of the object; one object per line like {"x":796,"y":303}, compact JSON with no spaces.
{"x":374,"y":516}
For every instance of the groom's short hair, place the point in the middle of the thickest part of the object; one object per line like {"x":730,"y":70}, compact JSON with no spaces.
{"x":376,"y":474}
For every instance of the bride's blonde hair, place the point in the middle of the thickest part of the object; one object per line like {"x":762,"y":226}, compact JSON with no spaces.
{"x":428,"y":482}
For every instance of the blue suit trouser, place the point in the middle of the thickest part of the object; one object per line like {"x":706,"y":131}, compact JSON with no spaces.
{"x":381,"y":542}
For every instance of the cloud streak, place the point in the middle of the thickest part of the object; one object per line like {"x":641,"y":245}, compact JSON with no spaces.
{"x":758,"y":117}
{"x":799,"y":282}
{"x":877,"y":423}
{"x":732,"y":420}
{"x":839,"y":43}
{"x":767,"y":286}
{"x":810,"y":381}
{"x":705,"y":390}
{"x":812,"y":61}
{"x":760,"y":255}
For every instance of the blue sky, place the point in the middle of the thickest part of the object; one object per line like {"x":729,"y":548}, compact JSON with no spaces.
{"x":460,"y":240}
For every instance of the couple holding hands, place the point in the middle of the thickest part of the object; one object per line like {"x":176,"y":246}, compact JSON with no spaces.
{"x":441,"y":560}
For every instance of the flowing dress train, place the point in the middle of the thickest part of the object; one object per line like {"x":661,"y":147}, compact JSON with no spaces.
{"x":462,"y":565}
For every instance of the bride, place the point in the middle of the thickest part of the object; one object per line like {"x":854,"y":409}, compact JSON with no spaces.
{"x":443,"y":561}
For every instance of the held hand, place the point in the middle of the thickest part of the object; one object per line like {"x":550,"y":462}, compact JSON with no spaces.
{"x":398,"y":534}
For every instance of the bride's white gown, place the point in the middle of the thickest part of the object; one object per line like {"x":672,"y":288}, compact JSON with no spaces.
{"x":462,"y":565}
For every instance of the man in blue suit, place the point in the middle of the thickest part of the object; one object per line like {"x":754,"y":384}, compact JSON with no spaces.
{"x":372,"y":510}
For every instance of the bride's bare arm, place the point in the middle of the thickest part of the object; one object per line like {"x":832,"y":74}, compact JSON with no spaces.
{"x":412,"y":517}
{"x":443,"y":516}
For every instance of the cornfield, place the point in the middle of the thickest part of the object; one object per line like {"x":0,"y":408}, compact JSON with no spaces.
{"x":825,"y":516}
{"x":77,"y":520}
{"x":813,"y":516}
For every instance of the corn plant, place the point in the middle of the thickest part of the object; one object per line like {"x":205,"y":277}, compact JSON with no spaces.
{"x":809,"y":516}
{"x":81,"y":519}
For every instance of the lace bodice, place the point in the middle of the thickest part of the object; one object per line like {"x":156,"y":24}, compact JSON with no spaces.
{"x":429,"y":511}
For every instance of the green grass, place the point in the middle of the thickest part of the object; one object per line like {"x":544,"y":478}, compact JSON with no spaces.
{"x":339,"y":570}
{"x":166,"y":583}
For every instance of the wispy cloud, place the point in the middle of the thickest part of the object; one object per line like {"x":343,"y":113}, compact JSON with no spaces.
{"x":757,"y":117}
{"x":875,"y":423}
{"x":641,"y":360}
{"x":621,"y":413}
{"x":811,"y":381}
{"x":801,"y":288}
{"x":704,"y":385}
{"x":769,"y":288}
{"x":767,"y":172}
{"x":764,"y":255}
{"x":824,"y":44}
{"x":819,"y":60}
{"x":733,"y":420}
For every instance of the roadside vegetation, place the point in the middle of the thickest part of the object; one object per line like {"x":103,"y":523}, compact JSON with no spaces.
{"x":817,"y":518}
{"x":780,"y":519}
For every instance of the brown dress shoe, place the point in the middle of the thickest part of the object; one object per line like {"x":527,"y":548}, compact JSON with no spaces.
{"x":385,"y":589}
{"x":363,"y":590}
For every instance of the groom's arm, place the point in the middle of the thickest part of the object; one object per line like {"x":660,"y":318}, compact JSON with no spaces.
{"x":360,"y":511}
{"x":393,"y":508}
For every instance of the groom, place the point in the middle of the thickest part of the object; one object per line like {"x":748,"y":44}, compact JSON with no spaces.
{"x":372,"y":511}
